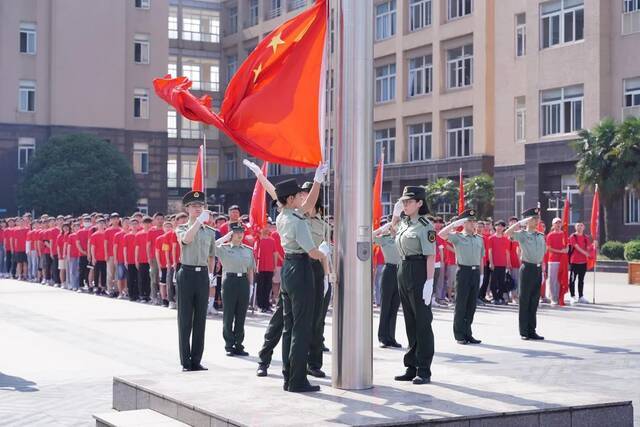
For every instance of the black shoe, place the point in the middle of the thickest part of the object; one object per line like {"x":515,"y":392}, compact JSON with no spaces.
{"x":497,"y":302}
{"x":408,"y":376}
{"x":186,"y":368}
{"x":262,"y":370}
{"x":306,"y":388}
{"x":316,"y":373}
{"x":481,"y":302}
{"x":421,"y":380}
{"x":230,"y":353}
{"x":199,"y":367}
{"x":384,"y":345}
{"x":524,"y":337}
{"x":285,"y":386}
{"x":535,"y":337}
{"x":462,"y":342}
{"x":395,"y":344}
{"x":484,"y":300}
{"x":472,"y":340}
{"x":240,"y":352}
{"x":325,"y":349}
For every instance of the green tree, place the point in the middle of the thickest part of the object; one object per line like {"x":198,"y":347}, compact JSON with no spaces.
{"x":479,"y":193}
{"x":77,"y":173}
{"x":441,"y":191}
{"x":629,"y":148}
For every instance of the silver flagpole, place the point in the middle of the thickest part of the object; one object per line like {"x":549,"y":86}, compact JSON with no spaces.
{"x":352,"y":358}
{"x":595,"y":262}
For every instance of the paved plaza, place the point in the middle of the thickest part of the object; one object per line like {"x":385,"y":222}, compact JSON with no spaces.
{"x":60,"y":351}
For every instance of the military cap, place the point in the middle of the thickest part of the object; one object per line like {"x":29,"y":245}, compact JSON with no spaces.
{"x":193,"y":197}
{"x":500,"y":222}
{"x":531,"y":212}
{"x":469,"y":214}
{"x":233,"y":208}
{"x":236,"y":227}
{"x":415,"y":192}
{"x":115,"y":215}
{"x":287,"y":188}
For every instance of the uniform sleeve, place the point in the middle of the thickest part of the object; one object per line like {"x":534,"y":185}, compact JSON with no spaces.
{"x":518,"y":236}
{"x":428,"y":248}
{"x":303,"y":236}
{"x":212,"y":246}
{"x":453,"y":238}
{"x":483,"y":251}
{"x":252,"y":263}
{"x":180,"y":233}
{"x":377,"y":240}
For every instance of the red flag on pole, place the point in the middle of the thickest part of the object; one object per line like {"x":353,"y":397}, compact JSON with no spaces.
{"x":461,"y":195}
{"x":198,"y":176}
{"x":563,"y":271}
{"x":258,"y":209}
{"x":595,"y":228}
{"x":273,"y":105}
{"x":377,"y":196}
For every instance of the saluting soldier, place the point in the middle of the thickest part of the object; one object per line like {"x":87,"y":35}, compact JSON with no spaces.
{"x":198,"y":244}
{"x":416,"y":243}
{"x":237,"y":272}
{"x":533,"y":248}
{"x":385,"y":237}
{"x":469,"y":248}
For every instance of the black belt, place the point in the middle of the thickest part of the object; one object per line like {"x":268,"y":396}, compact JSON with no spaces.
{"x":196,"y":268}
{"x":296,"y":256}
{"x":388,"y":264}
{"x":532,"y":264}
{"x":471,"y":267}
{"x":413,"y":257}
{"x":236,"y":274}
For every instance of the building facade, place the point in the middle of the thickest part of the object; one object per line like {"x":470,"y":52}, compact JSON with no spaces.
{"x":83,"y":67}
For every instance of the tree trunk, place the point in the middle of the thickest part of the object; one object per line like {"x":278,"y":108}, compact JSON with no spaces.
{"x":605,"y":211}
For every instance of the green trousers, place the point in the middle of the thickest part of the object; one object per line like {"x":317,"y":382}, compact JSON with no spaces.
{"x":193,"y":296}
{"x":297,"y":310}
{"x":389,"y":303}
{"x":317,"y":333}
{"x":412,"y":274}
{"x":272,"y":335}
{"x":467,"y":285}
{"x":235,"y":301}
{"x":530,"y":280}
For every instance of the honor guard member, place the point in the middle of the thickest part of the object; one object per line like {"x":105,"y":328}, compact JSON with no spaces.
{"x":469,"y":248}
{"x":198,"y":244}
{"x":320,"y":232}
{"x":297,"y":286}
{"x":533,"y":248}
{"x":237,"y":272}
{"x":385,"y":237}
{"x":416,"y":243}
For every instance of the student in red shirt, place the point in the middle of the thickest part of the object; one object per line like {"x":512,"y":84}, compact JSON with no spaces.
{"x":3,"y":227}
{"x":98,"y":245}
{"x":109,"y":234}
{"x":82,"y":243}
{"x":484,"y":230}
{"x":266,"y":254}
{"x":73,"y":254}
{"x":61,"y":244}
{"x":580,"y":252}
{"x":162,"y":259}
{"x":53,"y":234}
{"x":277,"y":277}
{"x":20,"y":248}
{"x":129,"y":247}
{"x":451,"y":267}
{"x":142,"y":254}
{"x":174,"y":257}
{"x":556,"y":247}
{"x":118,"y":258}
{"x":499,"y":258}
{"x":154,"y":272}
{"x":439,"y":289}
{"x":514,"y":263}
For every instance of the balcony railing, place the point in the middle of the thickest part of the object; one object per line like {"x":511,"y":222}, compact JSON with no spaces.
{"x":630,"y":112}
{"x":274,"y":13}
{"x":296,"y":4}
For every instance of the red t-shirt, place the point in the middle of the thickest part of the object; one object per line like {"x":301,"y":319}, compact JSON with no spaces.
{"x":513,"y":252}
{"x":439,"y":243}
{"x":52,"y":235}
{"x":130,"y":243}
{"x":379,"y":256}
{"x":6,"y":238}
{"x":449,"y":254}
{"x":109,"y":234}
{"x":43,"y":236}
{"x":83,"y":237}
{"x":154,"y":233}
{"x":20,"y":239}
{"x":158,"y":250}
{"x":73,"y":251}
{"x":97,"y":240}
{"x":585,"y":244}
{"x":276,"y":238}
{"x":499,"y":247}
{"x":172,"y":239}
{"x":556,"y":240}
{"x":142,"y":238}
{"x":61,"y":243}
{"x":264,"y":250}
{"x":167,"y":240}
{"x":485,"y":239}
{"x":118,"y":239}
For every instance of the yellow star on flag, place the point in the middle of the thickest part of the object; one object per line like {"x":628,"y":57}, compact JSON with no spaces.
{"x":275,"y":41}
{"x":257,"y":72}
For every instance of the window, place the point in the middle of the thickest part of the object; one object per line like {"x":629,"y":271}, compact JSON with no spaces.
{"x":141,"y":49}
{"x":172,"y":124}
{"x":141,"y":158}
{"x":230,"y":166}
{"x":632,"y":92}
{"x":28,"y":38}
{"x":297,"y":4}
{"x":276,"y":9}
{"x":460,"y":136}
{"x":329,"y":90}
{"x":386,"y":20}
{"x":232,"y":66}
{"x":274,"y":169}
{"x":173,"y":23}
{"x":631,"y":207}
{"x":521,"y":119}
{"x":561,"y":110}
{"x":631,"y":5}
{"x":562,"y":21}
{"x":143,"y":206}
{"x":188,"y":165}
{"x":143,"y":4}
{"x":419,"y":14}
{"x":420,"y":75}
{"x":27,"y":96}
{"x":190,"y":129}
{"x":458,"y":8}
{"x":233,"y":20}
{"x":519,"y":196}
{"x":419,"y":136}
{"x":253,"y":13}
{"x":521,"y":35}
{"x":172,"y":171}
{"x":460,"y":66}
{"x":214,"y":78}
{"x":444,"y":209}
{"x":387,"y":206}
{"x":201,"y":25}
{"x":172,"y":66}
{"x":386,"y":83}
{"x":192,"y":72}
{"x":141,"y":104}
{"x":26,"y":150}
{"x":385,"y":143}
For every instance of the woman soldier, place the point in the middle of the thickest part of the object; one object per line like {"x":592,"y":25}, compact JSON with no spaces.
{"x":416,"y":243}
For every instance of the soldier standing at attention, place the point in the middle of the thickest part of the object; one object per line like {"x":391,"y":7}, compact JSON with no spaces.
{"x":198,"y":244}
{"x":533,"y":248}
{"x":237,"y":272}
{"x":469,"y":248}
{"x":416,"y":243}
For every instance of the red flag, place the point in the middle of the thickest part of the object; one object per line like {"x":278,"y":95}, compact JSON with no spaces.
{"x":198,"y":176}
{"x":563,"y":271}
{"x":258,"y":209}
{"x":461,"y":195}
{"x":377,"y":196}
{"x":272,"y":106}
{"x":595,"y":228}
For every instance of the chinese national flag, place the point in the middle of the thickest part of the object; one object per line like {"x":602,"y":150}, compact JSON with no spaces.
{"x":461,"y":195}
{"x":377,"y":197}
{"x":198,"y":176}
{"x":273,"y":104}
{"x":595,"y":229}
{"x":258,"y":209}
{"x":563,"y":271}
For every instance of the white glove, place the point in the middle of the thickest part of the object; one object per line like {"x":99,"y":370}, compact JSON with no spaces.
{"x":427,"y":291}
{"x":459,"y":222}
{"x":321,"y":171}
{"x":524,"y":222}
{"x":326,"y":284}
{"x":481,"y":279}
{"x":398,"y":208}
{"x":254,"y":168}
{"x":211,"y":277}
{"x":203,"y":217}
{"x":325,"y":248}
{"x":384,"y":228}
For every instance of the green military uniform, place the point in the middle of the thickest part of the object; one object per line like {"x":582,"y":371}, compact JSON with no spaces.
{"x":193,"y":287}
{"x":297,"y":290}
{"x":469,"y":250}
{"x":237,"y":261}
{"x":390,"y":297}
{"x":416,"y":241}
{"x":533,"y":248}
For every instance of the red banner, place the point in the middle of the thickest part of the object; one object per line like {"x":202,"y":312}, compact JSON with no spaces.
{"x":595,"y":229}
{"x":258,"y":209}
{"x":563,"y":271}
{"x":198,"y":176}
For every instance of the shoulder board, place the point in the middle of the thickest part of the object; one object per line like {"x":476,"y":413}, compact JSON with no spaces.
{"x":209,"y":227}
{"x":299,"y":216}
{"x":424,"y":221}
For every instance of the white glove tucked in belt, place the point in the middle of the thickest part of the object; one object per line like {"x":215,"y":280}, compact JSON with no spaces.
{"x":427,"y":291}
